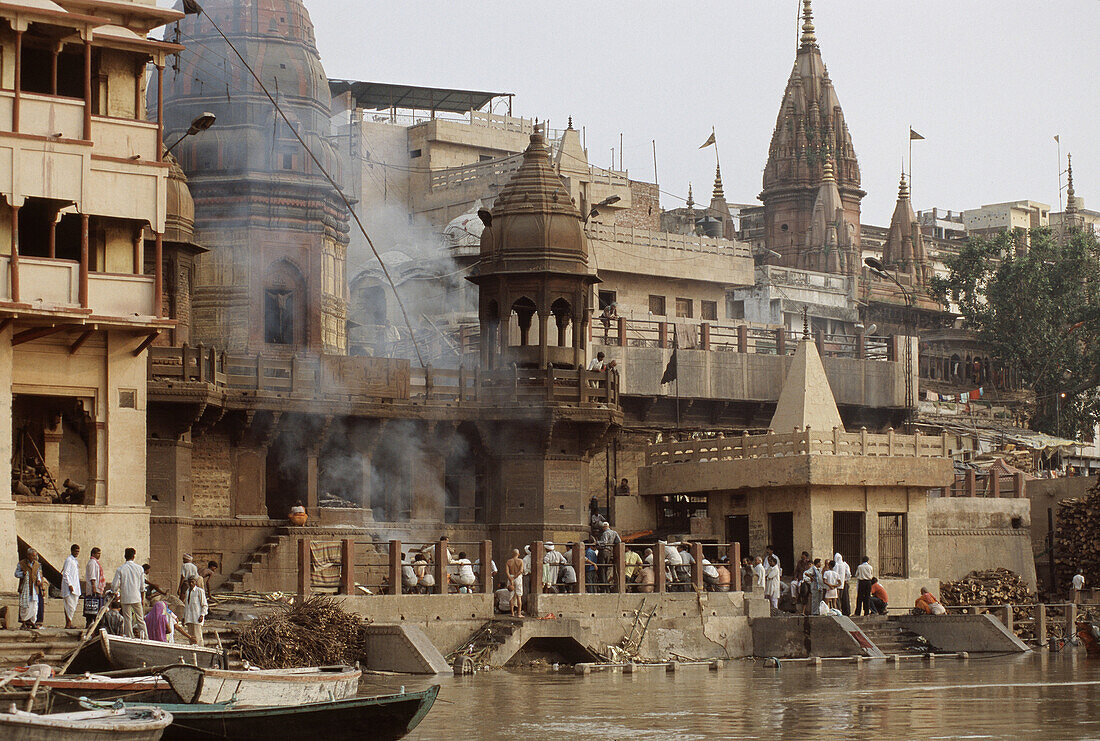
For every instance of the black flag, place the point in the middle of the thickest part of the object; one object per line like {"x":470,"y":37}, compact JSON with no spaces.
{"x":190,"y":7}
{"x":670,"y":369}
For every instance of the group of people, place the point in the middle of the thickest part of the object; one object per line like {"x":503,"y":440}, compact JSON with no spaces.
{"x":460,"y":574}
{"x":125,"y":597}
{"x":821,"y":588}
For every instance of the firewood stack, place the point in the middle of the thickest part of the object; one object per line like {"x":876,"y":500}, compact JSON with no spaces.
{"x":1077,"y":539}
{"x":991,"y":587}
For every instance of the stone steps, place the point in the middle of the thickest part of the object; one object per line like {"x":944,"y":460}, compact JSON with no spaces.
{"x":889,"y":637}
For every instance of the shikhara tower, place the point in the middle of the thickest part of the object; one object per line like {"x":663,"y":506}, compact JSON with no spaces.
{"x":812,"y":188}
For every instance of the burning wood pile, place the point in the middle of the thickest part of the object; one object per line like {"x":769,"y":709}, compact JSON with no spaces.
{"x":991,"y":587}
{"x":1077,"y":538}
{"x":315,"y":632}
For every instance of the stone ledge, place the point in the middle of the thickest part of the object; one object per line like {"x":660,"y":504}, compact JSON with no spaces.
{"x":1007,"y":531}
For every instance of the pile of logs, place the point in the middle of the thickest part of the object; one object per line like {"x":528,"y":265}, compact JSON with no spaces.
{"x":1077,"y":538}
{"x":990,"y":587}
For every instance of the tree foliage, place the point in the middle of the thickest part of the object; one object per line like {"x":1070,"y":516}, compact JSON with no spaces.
{"x":1036,"y":304}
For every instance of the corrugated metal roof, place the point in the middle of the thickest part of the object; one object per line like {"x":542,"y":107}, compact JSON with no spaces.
{"x":379,"y":96}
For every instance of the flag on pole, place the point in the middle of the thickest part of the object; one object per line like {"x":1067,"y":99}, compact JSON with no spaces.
{"x":710,"y":140}
{"x":190,"y":7}
{"x":914,"y":136}
{"x":1058,"y":139}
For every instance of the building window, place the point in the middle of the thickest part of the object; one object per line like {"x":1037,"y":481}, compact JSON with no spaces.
{"x":848,"y":534}
{"x":708,"y":311}
{"x":484,"y":157}
{"x":279,"y":316}
{"x":607,"y":299}
{"x":657,"y":305}
{"x":674,"y":512}
{"x":414,"y":153}
{"x":684,"y":308}
{"x":288,"y":161}
{"x":891,"y":544}
{"x":735,"y":308}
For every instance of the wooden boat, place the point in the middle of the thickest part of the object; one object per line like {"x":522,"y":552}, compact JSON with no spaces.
{"x":116,"y":652}
{"x":195,"y":684}
{"x":1089,"y":634}
{"x":60,"y":694}
{"x":379,"y":718}
{"x":135,"y":723}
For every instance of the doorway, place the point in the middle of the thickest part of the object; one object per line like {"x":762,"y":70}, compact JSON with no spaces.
{"x":737,"y":531}
{"x":781,"y":537}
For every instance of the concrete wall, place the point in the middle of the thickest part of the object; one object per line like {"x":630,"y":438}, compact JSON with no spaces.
{"x":731,"y":375}
{"x":973,"y":633}
{"x":973,"y":533}
{"x":1044,"y":495}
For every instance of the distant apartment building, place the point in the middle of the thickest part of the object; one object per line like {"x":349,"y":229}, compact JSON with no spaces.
{"x":1013,"y":216}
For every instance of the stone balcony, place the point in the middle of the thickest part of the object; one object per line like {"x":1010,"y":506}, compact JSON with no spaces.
{"x":52,"y":286}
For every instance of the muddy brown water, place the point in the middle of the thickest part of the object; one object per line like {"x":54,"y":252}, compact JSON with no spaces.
{"x":1038,"y":695}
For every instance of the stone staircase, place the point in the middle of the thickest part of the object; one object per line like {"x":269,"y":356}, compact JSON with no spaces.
{"x":890,"y":637}
{"x":244,"y":578}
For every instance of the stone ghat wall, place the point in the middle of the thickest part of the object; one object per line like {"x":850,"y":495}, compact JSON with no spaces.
{"x":973,"y":533}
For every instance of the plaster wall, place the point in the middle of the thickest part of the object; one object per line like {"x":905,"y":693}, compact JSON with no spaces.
{"x":970,"y":533}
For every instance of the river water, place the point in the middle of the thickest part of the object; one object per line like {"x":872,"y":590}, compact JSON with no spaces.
{"x":1038,"y":695}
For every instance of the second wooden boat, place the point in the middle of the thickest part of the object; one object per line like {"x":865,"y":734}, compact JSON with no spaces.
{"x":107,"y":652}
{"x":136,"y":723}
{"x":263,"y":687}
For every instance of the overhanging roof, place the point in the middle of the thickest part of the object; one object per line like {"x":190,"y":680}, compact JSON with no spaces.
{"x":379,"y":96}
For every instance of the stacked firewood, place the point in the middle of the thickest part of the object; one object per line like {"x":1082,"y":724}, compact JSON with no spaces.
{"x":314,"y":632}
{"x":1077,"y":538}
{"x":990,"y":587}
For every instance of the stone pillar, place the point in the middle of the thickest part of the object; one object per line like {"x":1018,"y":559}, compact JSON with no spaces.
{"x":395,"y":567}
{"x":697,"y":566}
{"x":486,"y":560}
{"x":659,"y":568}
{"x":311,"y":500}
{"x":578,"y":566}
{"x":620,"y":568}
{"x":8,"y":550}
{"x":734,"y":557}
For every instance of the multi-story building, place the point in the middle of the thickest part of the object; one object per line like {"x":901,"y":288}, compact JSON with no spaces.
{"x":1012,"y":216}
{"x":83,"y":178}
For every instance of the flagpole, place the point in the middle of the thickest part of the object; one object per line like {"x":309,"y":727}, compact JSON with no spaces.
{"x":718,"y":157}
{"x":910,"y":158}
{"x":1058,"y":140}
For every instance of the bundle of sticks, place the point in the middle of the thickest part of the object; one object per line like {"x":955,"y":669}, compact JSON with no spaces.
{"x":990,"y":587}
{"x":314,"y":632}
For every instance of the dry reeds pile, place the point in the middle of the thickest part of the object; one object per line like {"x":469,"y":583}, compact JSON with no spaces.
{"x":315,"y":632}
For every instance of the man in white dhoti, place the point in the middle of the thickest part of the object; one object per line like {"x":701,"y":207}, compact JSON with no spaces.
{"x":70,"y":584}
{"x":29,"y":574}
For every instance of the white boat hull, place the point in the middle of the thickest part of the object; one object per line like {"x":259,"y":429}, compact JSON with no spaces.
{"x":276,"y":687}
{"x":96,"y":725}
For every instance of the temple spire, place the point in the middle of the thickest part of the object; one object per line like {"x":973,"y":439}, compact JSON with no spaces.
{"x":719,"y":193}
{"x":809,"y":36}
{"x":691,"y":198}
{"x":828,"y":174}
{"x":903,"y":188}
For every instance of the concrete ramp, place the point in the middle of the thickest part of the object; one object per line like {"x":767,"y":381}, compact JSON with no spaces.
{"x":800,"y":637}
{"x":404,"y":649}
{"x":971,"y":633}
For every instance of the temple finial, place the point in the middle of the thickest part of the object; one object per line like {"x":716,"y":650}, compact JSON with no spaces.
{"x":828,"y":174}
{"x":903,"y":188}
{"x":691,"y":198}
{"x":719,"y":193}
{"x":805,"y":323}
{"x":1071,"y":197}
{"x":809,"y":37}
{"x":570,"y":126}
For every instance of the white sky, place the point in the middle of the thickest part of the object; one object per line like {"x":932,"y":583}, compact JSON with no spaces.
{"x":988,"y":84}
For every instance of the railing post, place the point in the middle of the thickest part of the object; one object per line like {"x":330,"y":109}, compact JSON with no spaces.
{"x":1018,"y":485}
{"x":199,"y":362}
{"x":659,"y":568}
{"x":550,"y":381}
{"x":994,"y":484}
{"x":704,"y":336}
{"x":1041,"y":623}
{"x":395,"y":567}
{"x":440,"y":567}
{"x":697,"y":566}
{"x":890,"y":441}
{"x":742,"y":338}
{"x":1071,"y":619}
{"x":662,"y":334}
{"x":305,"y":568}
{"x":620,"y":568}
{"x":537,"y":554}
{"x":971,"y":483}
{"x":916,"y":443}
{"x":347,"y":566}
{"x":477,"y":383}
{"x":486,"y":559}
{"x":861,"y":345}
{"x":578,"y":567}
{"x":259,"y":371}
{"x":622,"y":332}
{"x":819,"y":339}
{"x":781,"y":341}
{"x":892,"y":349}
{"x":1008,"y":618}
{"x":429,"y":381}
{"x":734,"y":551}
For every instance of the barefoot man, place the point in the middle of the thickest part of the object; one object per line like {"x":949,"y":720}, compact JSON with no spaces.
{"x":514,"y":570}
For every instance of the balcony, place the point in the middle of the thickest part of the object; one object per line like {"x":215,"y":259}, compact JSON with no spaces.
{"x":52,"y":285}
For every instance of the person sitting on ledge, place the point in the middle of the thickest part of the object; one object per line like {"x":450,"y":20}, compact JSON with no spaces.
{"x":502,"y":598}
{"x":879,"y":598}
{"x":928,"y":604}
{"x":409,"y":580}
{"x":465,"y":577}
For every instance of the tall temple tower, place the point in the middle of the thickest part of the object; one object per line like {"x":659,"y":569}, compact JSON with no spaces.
{"x":273,"y":281}
{"x":904,"y":250}
{"x":810,"y":145}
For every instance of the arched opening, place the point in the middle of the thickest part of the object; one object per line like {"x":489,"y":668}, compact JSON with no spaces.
{"x":524,"y":310}
{"x":284,"y":307}
{"x":562,"y":312}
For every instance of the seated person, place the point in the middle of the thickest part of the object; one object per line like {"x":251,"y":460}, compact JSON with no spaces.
{"x":710,"y":576}
{"x":502,"y":598}
{"x":465,"y":577}
{"x":928,"y":604}
{"x":409,"y":580}
{"x":879,"y":599}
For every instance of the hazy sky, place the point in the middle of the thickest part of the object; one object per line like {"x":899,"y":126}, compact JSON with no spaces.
{"x":987,"y":83}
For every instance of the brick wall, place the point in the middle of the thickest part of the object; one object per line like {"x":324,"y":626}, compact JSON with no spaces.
{"x":211,"y":476}
{"x":645,"y":209}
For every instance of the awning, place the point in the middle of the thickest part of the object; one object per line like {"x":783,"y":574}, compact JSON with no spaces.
{"x":377,"y":96}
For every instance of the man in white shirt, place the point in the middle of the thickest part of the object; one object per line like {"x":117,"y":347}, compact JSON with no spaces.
{"x":864,"y":574}
{"x":129,"y":585}
{"x":758,"y":573}
{"x":465,"y":578}
{"x":1078,"y":587}
{"x":188,"y":570}
{"x":672,"y":564}
{"x":686,"y":562}
{"x":70,"y":584}
{"x":195,"y":609}
{"x":844,"y":571}
{"x":95,"y":584}
{"x":596,"y":363}
{"x":832,"y":585}
{"x":710,"y":576}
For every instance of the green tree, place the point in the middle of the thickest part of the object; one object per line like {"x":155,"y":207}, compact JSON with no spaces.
{"x":1038,"y":309}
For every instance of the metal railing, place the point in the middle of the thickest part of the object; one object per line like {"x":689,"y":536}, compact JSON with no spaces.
{"x":975,"y":484}
{"x":805,"y":442}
